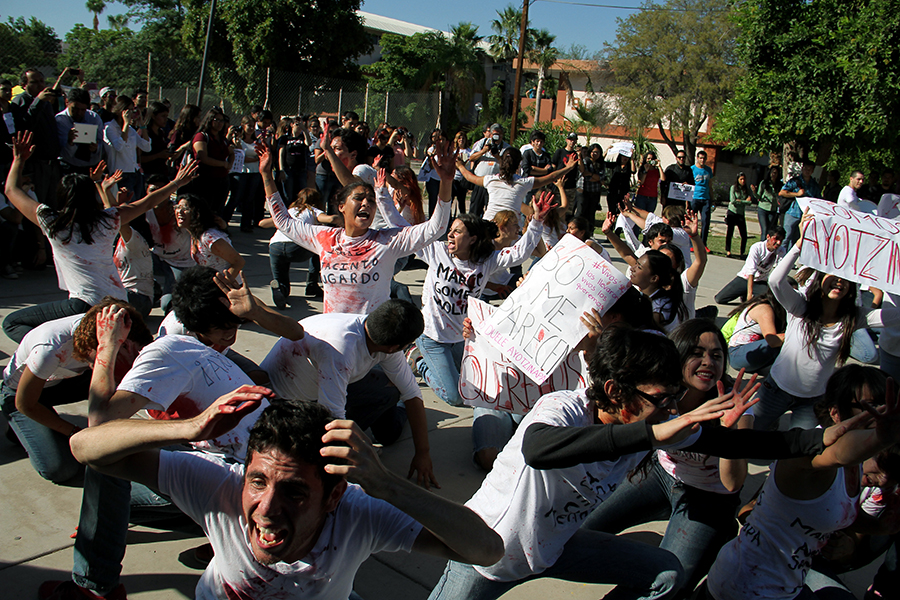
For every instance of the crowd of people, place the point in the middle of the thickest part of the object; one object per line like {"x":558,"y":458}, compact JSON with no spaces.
{"x":277,"y":461}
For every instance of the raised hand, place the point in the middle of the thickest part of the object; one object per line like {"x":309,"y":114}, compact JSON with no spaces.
{"x":96,"y":173}
{"x":187,"y":172}
{"x":542,"y":205}
{"x":609,"y":224}
{"x":224,"y":414}
{"x":124,"y":196}
{"x":444,"y":160}
{"x":355,"y":458}
{"x":692,"y":223}
{"x":238,"y":298}
{"x":265,"y":159}
{"x":22,"y":146}
{"x":381,"y":178}
{"x":742,"y":394}
{"x":678,"y":429}
{"x":113,"y":326}
{"x":111,"y":180}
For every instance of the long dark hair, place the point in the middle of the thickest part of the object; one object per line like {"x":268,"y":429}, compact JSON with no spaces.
{"x":509,"y":164}
{"x":122,"y":102}
{"x":687,"y":337}
{"x":847,"y":313}
{"x":767,"y":298}
{"x":202,"y":216}
{"x":80,"y":209}
{"x":737,"y":187}
{"x":206,"y":123}
{"x":184,"y":126}
{"x":845,"y":387}
{"x":484,"y":233}
{"x":669,"y":284}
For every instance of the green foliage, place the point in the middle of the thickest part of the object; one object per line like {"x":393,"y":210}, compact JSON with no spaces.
{"x":556,"y":136}
{"x":825,"y":75}
{"x":593,"y":112}
{"x":507,"y":29}
{"x":315,"y":38}
{"x":26,"y":44}
{"x":675,"y":68}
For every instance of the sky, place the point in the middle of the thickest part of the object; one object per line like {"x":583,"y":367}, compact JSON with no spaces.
{"x":571,"y":23}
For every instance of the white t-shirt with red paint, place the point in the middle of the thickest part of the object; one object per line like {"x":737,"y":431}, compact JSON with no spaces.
{"x":210,"y":493}
{"x":47,"y":352}
{"x":331,"y":355}
{"x":357,"y":271}
{"x":86,"y":270}
{"x":181,"y":377}
{"x":171,"y":243}
{"x":450,"y":281}
{"x":308,"y":216}
{"x":135,"y":264}
{"x":202,"y":250}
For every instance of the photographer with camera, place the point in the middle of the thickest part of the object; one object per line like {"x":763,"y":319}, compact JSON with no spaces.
{"x":485,"y":159}
{"x":650,"y":173}
{"x":404,"y":151}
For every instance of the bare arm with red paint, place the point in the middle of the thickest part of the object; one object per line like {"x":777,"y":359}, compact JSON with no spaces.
{"x":300,"y":232}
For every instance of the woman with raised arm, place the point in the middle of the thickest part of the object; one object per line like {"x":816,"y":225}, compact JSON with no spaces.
{"x":82,"y":234}
{"x":358,"y":262}
{"x":506,"y":190}
{"x":806,"y":499}
{"x":210,"y":245}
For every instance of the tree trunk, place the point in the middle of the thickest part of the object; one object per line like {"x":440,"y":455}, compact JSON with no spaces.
{"x":537,"y":96}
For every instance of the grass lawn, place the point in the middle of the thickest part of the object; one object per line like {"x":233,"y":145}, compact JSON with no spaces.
{"x":716,"y":244}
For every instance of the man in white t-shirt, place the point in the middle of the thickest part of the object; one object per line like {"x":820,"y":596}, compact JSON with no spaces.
{"x":354,"y":366}
{"x":752,"y":279}
{"x":288,"y":524}
{"x":848,"y":197}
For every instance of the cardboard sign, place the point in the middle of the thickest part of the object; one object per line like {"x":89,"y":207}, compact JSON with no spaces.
{"x":489,"y":380}
{"x":623,"y":148}
{"x":681,"y":191}
{"x":538,"y":325}
{"x":856,"y":246}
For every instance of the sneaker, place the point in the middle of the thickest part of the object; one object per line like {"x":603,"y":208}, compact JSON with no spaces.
{"x":68,"y":590}
{"x":19,"y":268}
{"x":9,"y":272}
{"x":315,"y":290}
{"x":413,"y":356}
{"x":277,"y":295}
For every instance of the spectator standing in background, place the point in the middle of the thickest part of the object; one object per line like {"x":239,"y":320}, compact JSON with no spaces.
{"x":677,"y":173}
{"x":77,"y":155}
{"x":702,"y":202}
{"x":562,"y":157}
{"x":123,"y":136}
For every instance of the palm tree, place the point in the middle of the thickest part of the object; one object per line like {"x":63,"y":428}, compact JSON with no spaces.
{"x":593,"y":112}
{"x":505,"y":39}
{"x":97,"y":7}
{"x":465,"y":72}
{"x":543,"y":54}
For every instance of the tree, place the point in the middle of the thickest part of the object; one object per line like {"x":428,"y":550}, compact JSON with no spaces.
{"x":507,"y":29}
{"x":26,"y":44}
{"x":590,"y":113}
{"x":674,"y":66}
{"x":824,"y":79}
{"x":97,"y":7}
{"x":543,"y":54}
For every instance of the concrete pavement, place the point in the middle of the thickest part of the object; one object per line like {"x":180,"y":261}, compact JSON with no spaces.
{"x":38,"y":517}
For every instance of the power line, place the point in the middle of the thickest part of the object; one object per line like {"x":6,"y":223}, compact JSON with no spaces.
{"x":637,"y":8}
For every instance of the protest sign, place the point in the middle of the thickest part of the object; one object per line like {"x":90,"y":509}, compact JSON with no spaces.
{"x":487,"y":379}
{"x":856,"y":246}
{"x":623,"y":148}
{"x":538,"y":325}
{"x":681,"y":191}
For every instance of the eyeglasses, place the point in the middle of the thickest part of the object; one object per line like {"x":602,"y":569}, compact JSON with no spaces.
{"x":681,"y":156}
{"x":663,"y":401}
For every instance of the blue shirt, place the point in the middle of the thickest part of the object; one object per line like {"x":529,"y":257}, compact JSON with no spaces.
{"x":67,"y":153}
{"x":794,"y":185}
{"x":702,"y":178}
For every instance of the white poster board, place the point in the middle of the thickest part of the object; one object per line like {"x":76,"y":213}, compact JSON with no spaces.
{"x":539,"y":323}
{"x":85,"y":133}
{"x":856,"y":246}
{"x":623,"y":148}
{"x":681,"y":191}
{"x":490,"y":380}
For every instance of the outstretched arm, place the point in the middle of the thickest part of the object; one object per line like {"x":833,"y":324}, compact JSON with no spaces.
{"x":25,"y":204}
{"x":450,"y":530}
{"x":242,"y":303}
{"x":128,"y":448}
{"x":621,"y":247}
{"x":692,"y":227}
{"x":186,"y":174}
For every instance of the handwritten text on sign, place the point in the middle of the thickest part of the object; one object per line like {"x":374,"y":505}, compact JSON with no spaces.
{"x":489,"y":380}
{"x":538,"y":325}
{"x":856,"y":246}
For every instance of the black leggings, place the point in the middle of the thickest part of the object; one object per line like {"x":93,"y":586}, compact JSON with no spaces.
{"x":732,"y":220}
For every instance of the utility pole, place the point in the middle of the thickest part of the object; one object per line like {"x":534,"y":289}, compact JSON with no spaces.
{"x":209,"y":26}
{"x":517,"y":96}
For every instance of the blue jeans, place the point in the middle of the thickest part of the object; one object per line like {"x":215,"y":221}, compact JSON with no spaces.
{"x":170,"y":275}
{"x":327,"y":185}
{"x":774,"y":402}
{"x":639,"y":570}
{"x":737,"y":288}
{"x":700,"y":522}
{"x":493,"y":428}
{"x":890,"y":364}
{"x":704,"y":209}
{"x":371,"y":402}
{"x":244,"y":196}
{"x":862,"y":348}
{"x":48,"y":450}
{"x":647,"y":203}
{"x":108,"y":504}
{"x":17,"y":324}
{"x":440,"y":368}
{"x":432,"y":187}
{"x":754,"y":356}
{"x":281,"y":255}
{"x":767,"y":221}
{"x":791,"y":229}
